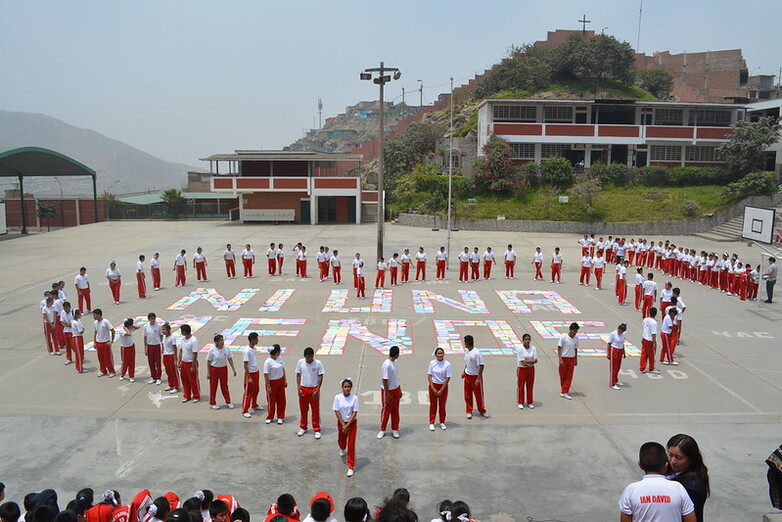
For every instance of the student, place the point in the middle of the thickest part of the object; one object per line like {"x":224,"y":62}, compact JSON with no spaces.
{"x":441,"y":261}
{"x":360,"y":282}
{"x":326,"y":262}
{"x":556,"y":266}
{"x":667,"y":338}
{"x":170,"y":358}
{"x":439,"y":375}
{"x":10,"y":512}
{"x":271,"y":259}
{"x":444,"y":509}
{"x":248,"y":260}
{"x":357,"y":261}
{"x":473,"y":378}
{"x":346,"y":410}
{"x":464,"y":265}
{"x":771,"y":279}
{"x":510,"y":262}
{"x":301,"y":261}
{"x":276,"y":382}
{"x":639,"y":285}
{"x":393,"y":265}
{"x":321,"y":507}
{"x":102,"y":339}
{"x":199,"y":263}
{"x":309,"y":379}
{"x":280,"y":258}
{"x":218,"y":511}
{"x":526,"y":359}
{"x":187,"y":362}
{"x":251,"y":376}
{"x":285,"y":506}
{"x":390,"y":394}
{"x":229,"y":256}
{"x":420,"y":264}
{"x":754,"y":284}
{"x":217,"y":361}
{"x":128,"y":350}
{"x":598,"y":263}
{"x":655,"y":498}
{"x":648,"y":341}
{"x":405,"y":260}
{"x":114,"y":277}
{"x":320,"y":260}
{"x":380,"y":278}
{"x":159,"y":510}
{"x":488,"y":262}
{"x":475,"y":263}
{"x":66,"y":318}
{"x":180,"y":269}
{"x":154,"y":267}
{"x":296,"y":250}
{"x":687,"y":468}
{"x":537,"y":260}
{"x":615,"y":352}
{"x":77,"y":331}
{"x":336,"y":268}
{"x":153,"y":337}
{"x":82,"y":283}
{"x":356,"y":510}
{"x":621,"y":282}
{"x":141,"y":278}
{"x":650,"y":294}
{"x":584,"y":242}
{"x":586,"y":270}
{"x":567,"y":352}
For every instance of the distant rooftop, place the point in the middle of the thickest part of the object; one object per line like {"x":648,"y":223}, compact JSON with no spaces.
{"x":154,"y":197}
{"x":283,"y":155}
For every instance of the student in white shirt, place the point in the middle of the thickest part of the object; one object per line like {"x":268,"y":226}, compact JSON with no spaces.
{"x":102,"y":338}
{"x":320,"y":259}
{"x":441,"y":260}
{"x":464,"y":265}
{"x":439,"y":375}
{"x":615,"y":352}
{"x":526,"y":359}
{"x":390,"y":394}
{"x":668,"y":334}
{"x":153,"y":338}
{"x":510,"y":262}
{"x":650,"y":294}
{"x":199,"y":263}
{"x":639,"y":285}
{"x":405,"y":261}
{"x":393,"y":266}
{"x":336,"y":267}
{"x":229,"y":256}
{"x":649,"y":342}
{"x":488,"y":261}
{"x":251,"y":375}
{"x":598,"y":263}
{"x":82,"y":283}
{"x":248,"y":260}
{"x":420,"y":264}
{"x":169,"y":358}
{"x":65,"y":318}
{"x":309,"y":379}
{"x":114,"y":277}
{"x":217,"y":361}
{"x":586,"y":270}
{"x":537,"y":260}
{"x":141,"y":278}
{"x":180,"y":268}
{"x":380,"y":278}
{"x":280,"y":258}
{"x":154,"y":267}
{"x":360,"y":281}
{"x":48,"y":314}
{"x":475,"y":263}
{"x":187,"y":363}
{"x":271,"y":259}
{"x":621,"y":281}
{"x":301,"y":261}
{"x":128,"y":350}
{"x":77,"y":331}
{"x":567,"y":352}
{"x":346,"y":409}
{"x":276,"y":382}
{"x":473,"y":378}
{"x":556,"y":266}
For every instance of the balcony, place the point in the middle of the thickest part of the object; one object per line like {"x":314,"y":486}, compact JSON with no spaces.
{"x":284,"y":184}
{"x":602,"y":133}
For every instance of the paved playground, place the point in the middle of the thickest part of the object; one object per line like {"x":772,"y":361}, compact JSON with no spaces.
{"x":564,"y":460}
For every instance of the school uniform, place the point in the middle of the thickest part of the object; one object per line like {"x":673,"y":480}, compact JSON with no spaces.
{"x":473,"y":360}
{"x":441,"y":257}
{"x":199,"y":260}
{"x":510,"y":263}
{"x":345,"y":407}
{"x":310,"y":376}
{"x":280,"y":260}
{"x":650,"y":289}
{"x":271,"y":261}
{"x":556,"y":268}
{"x":464,"y":266}
{"x":569,"y":348}
{"x":420,"y":265}
{"x":67,"y":333}
{"x":639,"y":291}
{"x":475,"y":263}
{"x":82,"y":283}
{"x":389,"y":371}
{"x":666,"y":336}
{"x":525,"y":375}
{"x":275,"y":369}
{"x":405,"y":260}
{"x":127,"y":354}
{"x":188,"y":369}
{"x":77,"y":333}
{"x":115,"y":282}
{"x":48,"y":314}
{"x":665,"y":298}
{"x":440,"y":372}
{"x":380,"y":278}
{"x":631,"y":248}
{"x":103,"y":340}
{"x":141,"y":280}
{"x":393,"y":266}
{"x":301,"y":262}
{"x":537,"y":260}
{"x":153,"y":337}
{"x":229,"y":256}
{"x":586,"y":266}
{"x":360,"y":282}
{"x":169,"y":362}
{"x":180,"y":266}
{"x":584,"y":246}
{"x":616,"y":352}
{"x":218,"y":373}
{"x":488,"y":261}
{"x":598,"y":263}
{"x":154,"y":268}
{"x":648,"y":343}
{"x":655,"y":498}
{"x":336,"y":268}
{"x":248,"y":259}
{"x":251,"y":379}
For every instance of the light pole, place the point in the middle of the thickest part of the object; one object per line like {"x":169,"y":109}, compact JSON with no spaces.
{"x":62,"y":218}
{"x":421,"y":93}
{"x":450,"y":174}
{"x":381,"y":79}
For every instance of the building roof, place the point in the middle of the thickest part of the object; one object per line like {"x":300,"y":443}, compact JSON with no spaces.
{"x":283,"y":155}
{"x":608,"y":102}
{"x":154,"y":197}
{"x":37,"y":161}
{"x":763,"y":105}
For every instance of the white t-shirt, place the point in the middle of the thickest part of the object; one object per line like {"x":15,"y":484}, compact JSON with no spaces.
{"x":649,"y":328}
{"x":169,"y":346}
{"x":199,"y":258}
{"x":556,"y":259}
{"x":650,"y":287}
{"x":250,"y":356}
{"x":301,"y":255}
{"x":248,"y":254}
{"x":621,"y":271}
{"x":77,"y":329}
{"x":488,"y":256}
{"x":473,"y":360}
{"x":665,"y":294}
{"x":180,"y":260}
{"x":439,"y":370}
{"x":336,"y":261}
{"x":599,"y":262}
{"x":218,"y":357}
{"x":152,"y":332}
{"x":126,"y":338}
{"x":113,"y":274}
{"x":82,"y":281}
{"x":320,"y":257}
{"x":616,"y":340}
{"x":381,"y":266}
{"x":667,"y":324}
{"x":569,"y":345}
{"x":154,"y":263}
{"x":510,"y":255}
{"x":420,"y":256}
{"x":229,"y":255}
{"x":280,"y":253}
{"x":390,"y":371}
{"x":309,"y":372}
{"x":189,"y":349}
{"x":102,"y":330}
{"x":345,"y":405}
{"x":639,"y":279}
{"x":441,"y":255}
{"x":404,"y":258}
{"x":357,"y":262}
{"x":50,"y":312}
{"x":140,"y":267}
{"x":525,"y":354}
{"x":655,"y":499}
{"x":464,"y":257}
{"x":271,"y":253}
{"x":586,"y":261}
{"x":393,"y":263}
{"x":274,"y":368}
{"x":475,"y":257}
{"x":537,"y":257}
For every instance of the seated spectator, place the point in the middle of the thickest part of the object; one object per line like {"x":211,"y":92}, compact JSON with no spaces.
{"x":321,"y":507}
{"x":10,"y":512}
{"x":356,"y":510}
{"x":444,"y":508}
{"x":240,"y":515}
{"x":285,"y":506}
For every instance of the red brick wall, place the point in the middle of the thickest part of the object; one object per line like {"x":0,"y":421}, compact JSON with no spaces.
{"x":66,"y":212}
{"x":275,"y":200}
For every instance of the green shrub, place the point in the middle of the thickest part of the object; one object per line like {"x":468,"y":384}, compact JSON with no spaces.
{"x":617,"y":174}
{"x":655,"y":176}
{"x":753,"y":184}
{"x":530,"y":172}
{"x":557,"y":172}
{"x":684,"y":176}
{"x":690,"y":208}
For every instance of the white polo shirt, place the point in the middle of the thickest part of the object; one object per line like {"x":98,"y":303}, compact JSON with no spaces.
{"x":381,"y":266}
{"x":82,"y":281}
{"x":405,"y":258}
{"x":599,"y":262}
{"x":569,"y":345}
{"x":77,"y":329}
{"x":420,"y":256}
{"x":464,"y":257}
{"x":510,"y":255}
{"x":441,"y":255}
{"x":126,"y":339}
{"x":229,"y":255}
{"x":473,"y":360}
{"x":271,"y":253}
{"x":140,"y":267}
{"x":390,"y":371}
{"x":655,"y":498}
{"x":537,"y":257}
{"x":199,"y":258}
{"x":248,"y":254}
{"x":525,"y":354}
{"x":113,"y":274}
{"x":488,"y":256}
{"x":556,"y":259}
{"x":152,"y":333}
{"x":586,"y":261}
{"x":336,"y":261}
{"x":189,"y":349}
{"x":345,"y":405}
{"x":616,"y":340}
{"x":667,"y":324}
{"x":639,"y":279}
{"x":309,"y":372}
{"x":274,"y":368}
{"x":169,"y":346}
{"x":250,"y":356}
{"x":649,"y":326}
{"x":650,"y":287}
{"x":439,"y":370}
{"x":154,"y":263}
{"x":475,"y":257}
{"x":65,"y":319}
{"x":218,"y":357}
{"x":102,"y":331}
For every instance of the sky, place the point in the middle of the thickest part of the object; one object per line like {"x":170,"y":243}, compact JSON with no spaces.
{"x":182,"y":80}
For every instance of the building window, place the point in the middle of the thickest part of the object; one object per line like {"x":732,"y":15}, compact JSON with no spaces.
{"x":665,"y":153}
{"x":515,"y":113}
{"x":552,"y":150}
{"x":558,"y":113}
{"x":701,"y":154}
{"x":523,"y":150}
{"x":456,"y":159}
{"x":668,"y":117}
{"x":715,"y":117}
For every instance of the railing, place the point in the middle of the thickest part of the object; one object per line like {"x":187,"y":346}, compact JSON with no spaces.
{"x":600,"y":130}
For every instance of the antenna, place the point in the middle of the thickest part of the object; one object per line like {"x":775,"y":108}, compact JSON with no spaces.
{"x":320,"y":114}
{"x":638,"y":41}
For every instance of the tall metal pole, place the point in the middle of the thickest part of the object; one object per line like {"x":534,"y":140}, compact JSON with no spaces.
{"x":95,"y":195}
{"x":24,"y":205}
{"x":381,"y":211}
{"x":450,"y":175}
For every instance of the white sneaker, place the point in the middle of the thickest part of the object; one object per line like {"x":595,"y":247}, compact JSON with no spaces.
{"x":469,"y":415}
{"x":655,"y":371}
{"x":317,"y":435}
{"x":566,"y":396}
{"x":341,"y":452}
{"x":259,"y":408}
{"x":615,"y":387}
{"x":214,"y":407}
{"x":620,"y":384}
{"x":121,"y":378}
{"x":279,"y":421}
{"x":102,"y":375}
{"x":151,"y":381}
{"x":521,"y":406}
{"x":157,"y":382}
{"x":68,"y":362}
{"x":674,"y":363}
{"x":132,"y":380}
{"x":301,"y":432}
{"x":381,"y":434}
{"x":485,"y":415}
{"x":443,"y":426}
{"x":531,"y":406}
{"x":350,"y":473}
{"x":230,"y":406}
{"x":431,"y":427}
{"x":395,"y":434}
{"x":174,"y":390}
{"x":247,"y":414}
{"x":111,"y":375}
{"x":268,"y":421}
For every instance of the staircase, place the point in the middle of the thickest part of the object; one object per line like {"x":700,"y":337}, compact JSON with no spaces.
{"x":726,"y":232}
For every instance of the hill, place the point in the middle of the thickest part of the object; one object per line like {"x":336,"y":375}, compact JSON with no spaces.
{"x":111,"y":159}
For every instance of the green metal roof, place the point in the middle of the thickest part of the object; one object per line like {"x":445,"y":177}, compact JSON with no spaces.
{"x":154,"y":197}
{"x":37,"y":161}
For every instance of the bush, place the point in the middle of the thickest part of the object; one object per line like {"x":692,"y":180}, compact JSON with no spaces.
{"x":684,"y":176}
{"x":531,"y":173}
{"x":753,"y":184}
{"x":557,"y":172}
{"x":690,"y":208}
{"x":655,"y":176}
{"x":617,"y":174}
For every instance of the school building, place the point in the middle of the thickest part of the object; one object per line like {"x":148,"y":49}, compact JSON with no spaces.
{"x":635,"y":133}
{"x":292,"y":186}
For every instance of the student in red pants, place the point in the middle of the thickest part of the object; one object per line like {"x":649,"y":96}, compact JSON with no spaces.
{"x":464,"y":265}
{"x":102,"y":339}
{"x":271,"y":259}
{"x":380,"y":278}
{"x":556,"y":266}
{"x":537,"y":260}
{"x":649,"y":341}
{"x":510,"y":262}
{"x":153,"y":339}
{"x":309,"y":378}
{"x":360,"y":282}
{"x":280,"y":258}
{"x":567,"y":353}
{"x":251,"y":376}
{"x":66,"y":318}
{"x":639,"y":288}
{"x":440,"y":260}
{"x":141,"y":278}
{"x":128,"y":350}
{"x":154,"y":268}
{"x":114,"y":277}
{"x":248,"y":260}
{"x":82,"y":282}
{"x":488,"y":261}
{"x":473,"y":378}
{"x":667,"y":336}
{"x":650,"y":294}
{"x":475,"y":264}
{"x":615,"y":352}
{"x":599,"y":263}
{"x":170,"y":358}
{"x":390,"y":394}
{"x":439,"y":375}
{"x":229,"y":256}
{"x":357,"y":262}
{"x":187,"y":362}
{"x":346,"y":409}
{"x":420,"y":264}
{"x":180,"y":268}
{"x":393,"y":265}
{"x":276,"y":382}
{"x":621,"y":282}
{"x":336,"y":267}
{"x":301,"y":262}
{"x":586,"y":270}
{"x":217,"y":361}
{"x":77,"y":333}
{"x":526,"y":359}
{"x":199,"y":263}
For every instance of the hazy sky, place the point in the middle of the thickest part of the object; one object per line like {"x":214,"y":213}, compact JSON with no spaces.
{"x":186,"y":79}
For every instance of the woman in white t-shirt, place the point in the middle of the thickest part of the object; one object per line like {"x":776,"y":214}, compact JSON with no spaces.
{"x":439,"y":374}
{"x":346,"y":410}
{"x":169,"y":358}
{"x":217,"y":361}
{"x":77,"y":335}
{"x":276,"y":382}
{"x":526,"y":359}
{"x":128,"y":350}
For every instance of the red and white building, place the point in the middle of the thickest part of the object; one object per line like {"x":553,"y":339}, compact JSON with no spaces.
{"x":635,"y":133}
{"x":292,"y":186}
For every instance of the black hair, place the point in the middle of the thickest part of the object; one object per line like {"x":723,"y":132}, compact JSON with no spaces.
{"x":2,"y":488}
{"x":320,"y":509}
{"x":275,"y":349}
{"x":10,"y":512}
{"x":217,"y":337}
{"x":65,"y":516}
{"x":356,"y":510}
{"x":652,"y":457}
{"x":690,"y":448}
{"x":308,"y":351}
{"x":45,"y":513}
{"x":460,"y":507}
{"x":468,"y":340}
{"x":240,"y":515}
{"x":526,"y":335}
{"x":443,"y":507}
{"x":402,"y":494}
{"x":179,"y":515}
{"x":185,"y":329}
{"x":195,"y":515}
{"x":191,"y":504}
{"x":77,"y":506}
{"x":396,"y":511}
{"x":208,"y":498}
{"x":163,"y":507}
{"x":253,"y":335}
{"x":97,"y":311}
{"x":279,"y":518}
{"x":218,"y":507}
{"x":286,"y":503}
{"x":653,"y":311}
{"x":344,"y":381}
{"x":574,"y":326}
{"x":150,"y":315}
{"x":66,"y":304}
{"x":393,"y":351}
{"x":128,"y":322}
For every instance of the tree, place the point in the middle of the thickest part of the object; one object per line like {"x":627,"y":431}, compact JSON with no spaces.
{"x":657,"y":81}
{"x":744,"y":150}
{"x":403,"y":152}
{"x":495,"y":170}
{"x":602,"y":57}
{"x":587,"y":191}
{"x":46,"y":211}
{"x":557,"y":171}
{"x":174,"y":201}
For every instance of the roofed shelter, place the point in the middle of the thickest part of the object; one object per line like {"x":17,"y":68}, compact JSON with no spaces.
{"x":39,"y":162}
